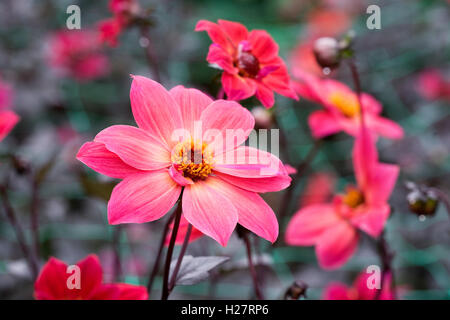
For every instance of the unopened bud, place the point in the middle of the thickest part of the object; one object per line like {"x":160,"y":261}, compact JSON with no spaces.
{"x":263,"y":117}
{"x":296,"y":291}
{"x":327,"y":52}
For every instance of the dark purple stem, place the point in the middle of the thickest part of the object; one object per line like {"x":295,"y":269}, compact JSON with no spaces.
{"x":258,"y":292}
{"x":173,"y":279}
{"x":159,"y":254}
{"x":165,"y":289}
{"x":300,"y":170}
{"x":117,"y":266}
{"x":12,"y":217}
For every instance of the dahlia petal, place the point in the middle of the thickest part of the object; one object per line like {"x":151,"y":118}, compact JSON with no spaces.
{"x":154,"y":109}
{"x":219,"y":56}
{"x":216,"y":33}
{"x":265,"y":95}
{"x":249,"y":162}
{"x":372,"y":220}
{"x":106,"y":292}
{"x":98,"y":158}
{"x":310,"y":223}
{"x":385,"y":127}
{"x":336,"y":246}
{"x":227,"y":123}
{"x":135,"y":147}
{"x":382,"y":183}
{"x":8,"y":120}
{"x":178,"y":177}
{"x":322,"y":124}
{"x":263,"y":46}
{"x":51,"y":282}
{"x":259,"y":185}
{"x":336,"y":291}
{"x":254,"y":213}
{"x":91,"y":275}
{"x":143,"y":197}
{"x":365,"y":157}
{"x":209,"y":211}
{"x":132,"y":292}
{"x":235,"y":31}
{"x":237,"y":87}
{"x":192,"y":103}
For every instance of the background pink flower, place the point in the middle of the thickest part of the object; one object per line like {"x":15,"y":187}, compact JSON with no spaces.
{"x":52,"y":283}
{"x":220,"y":190}
{"x":332,"y":227}
{"x":250,"y":62}
{"x":432,"y":85}
{"x":77,"y":53}
{"x":341,"y":109}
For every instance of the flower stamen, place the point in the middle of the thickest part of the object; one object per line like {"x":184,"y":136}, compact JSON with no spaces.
{"x":194,"y":159}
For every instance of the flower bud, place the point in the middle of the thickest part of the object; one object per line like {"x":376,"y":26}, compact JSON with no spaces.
{"x":263,"y":117}
{"x":296,"y":291}
{"x":327,"y":52}
{"x":421,"y":200}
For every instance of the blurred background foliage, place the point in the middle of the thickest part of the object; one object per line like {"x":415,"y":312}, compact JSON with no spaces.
{"x":59,"y":114}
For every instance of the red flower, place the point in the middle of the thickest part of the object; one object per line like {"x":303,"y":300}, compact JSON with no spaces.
{"x":77,"y":53}
{"x":360,"y":290}
{"x":54,"y":283}
{"x":341,"y":109}
{"x":250,"y":62}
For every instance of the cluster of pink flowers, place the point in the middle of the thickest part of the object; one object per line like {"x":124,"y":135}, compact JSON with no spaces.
{"x":77,"y":53}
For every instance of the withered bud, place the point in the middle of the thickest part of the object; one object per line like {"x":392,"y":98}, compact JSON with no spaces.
{"x":327,"y":52}
{"x":422,"y":201}
{"x":296,"y":291}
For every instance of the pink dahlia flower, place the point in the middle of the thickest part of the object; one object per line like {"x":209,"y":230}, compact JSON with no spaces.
{"x":250,"y":62}
{"x":332,"y":227}
{"x":179,"y":143}
{"x":8,"y":119}
{"x":341,"y":109}
{"x":55,"y":277}
{"x":77,"y":53}
{"x":360,"y":290}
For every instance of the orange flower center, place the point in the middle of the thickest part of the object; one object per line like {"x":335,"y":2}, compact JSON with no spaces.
{"x":346,"y":103}
{"x":248,"y":64}
{"x":193,"y":158}
{"x":353,"y":198}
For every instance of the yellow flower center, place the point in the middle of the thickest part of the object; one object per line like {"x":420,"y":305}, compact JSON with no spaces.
{"x":193,"y":158}
{"x":346,"y":103}
{"x":353,"y":198}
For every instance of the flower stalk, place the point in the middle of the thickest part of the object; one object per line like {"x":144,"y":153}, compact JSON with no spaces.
{"x":165,"y":290}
